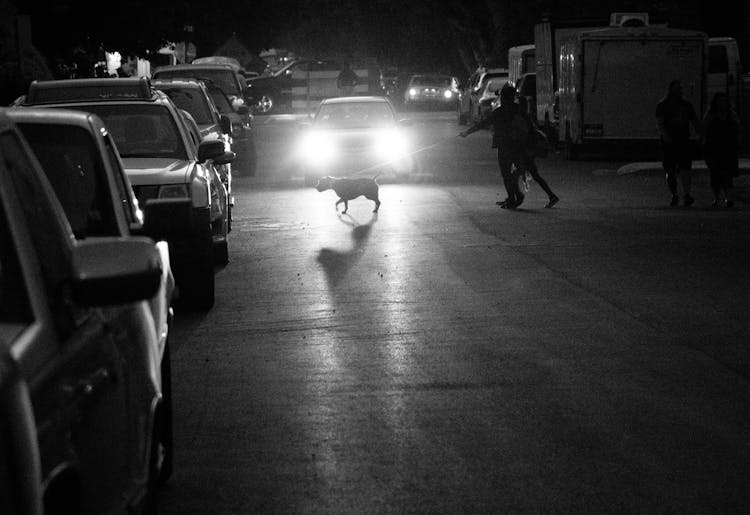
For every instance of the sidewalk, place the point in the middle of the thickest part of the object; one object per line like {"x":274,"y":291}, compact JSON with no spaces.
{"x":655,"y":166}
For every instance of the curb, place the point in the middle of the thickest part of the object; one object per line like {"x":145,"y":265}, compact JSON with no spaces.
{"x":655,"y":166}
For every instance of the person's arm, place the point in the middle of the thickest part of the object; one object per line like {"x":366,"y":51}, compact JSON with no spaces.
{"x":661,"y":125}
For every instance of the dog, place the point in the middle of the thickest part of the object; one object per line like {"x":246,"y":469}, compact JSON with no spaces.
{"x":349,"y":189}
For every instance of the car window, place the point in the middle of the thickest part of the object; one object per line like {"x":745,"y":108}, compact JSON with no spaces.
{"x":355,"y":115}
{"x":142,"y":130}
{"x":528,"y":86}
{"x":193,"y":101}
{"x":39,"y":213}
{"x":431,"y":80}
{"x":221,"y":100}
{"x":225,"y":79}
{"x":124,"y":190}
{"x":70,"y":161}
{"x":494,"y":86}
{"x":14,"y":301}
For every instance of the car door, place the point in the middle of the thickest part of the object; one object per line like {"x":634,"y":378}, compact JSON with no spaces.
{"x":77,"y":375}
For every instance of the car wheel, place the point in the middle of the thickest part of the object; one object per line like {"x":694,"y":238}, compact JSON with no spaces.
{"x":198,"y":288}
{"x":221,"y":253}
{"x":266,"y":104}
{"x":462,"y":119}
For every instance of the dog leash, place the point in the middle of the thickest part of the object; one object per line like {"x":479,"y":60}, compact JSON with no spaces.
{"x":410,"y":154}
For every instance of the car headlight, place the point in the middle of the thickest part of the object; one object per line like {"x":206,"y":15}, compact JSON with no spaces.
{"x":200,"y":189}
{"x":447,"y":93}
{"x":317,"y":148}
{"x":174,"y":191}
{"x":390,"y":144}
{"x":413,"y":92}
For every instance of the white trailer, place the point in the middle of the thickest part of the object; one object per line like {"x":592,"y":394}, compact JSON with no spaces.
{"x":520,"y":62}
{"x":611,"y":80}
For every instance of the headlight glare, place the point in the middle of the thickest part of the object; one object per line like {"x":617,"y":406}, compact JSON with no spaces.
{"x":390,"y":144}
{"x":317,"y":148}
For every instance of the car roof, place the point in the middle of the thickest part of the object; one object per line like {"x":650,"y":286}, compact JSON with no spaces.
{"x":353,"y":100}
{"x":87,"y":90}
{"x":60,"y":116}
{"x":179,"y":83}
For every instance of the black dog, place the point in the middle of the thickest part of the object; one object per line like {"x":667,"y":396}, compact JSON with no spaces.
{"x":349,"y":189}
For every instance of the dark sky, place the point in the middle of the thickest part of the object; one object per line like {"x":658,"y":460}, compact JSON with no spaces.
{"x":400,"y":32}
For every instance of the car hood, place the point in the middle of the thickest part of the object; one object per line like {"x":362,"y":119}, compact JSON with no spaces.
{"x":150,"y":171}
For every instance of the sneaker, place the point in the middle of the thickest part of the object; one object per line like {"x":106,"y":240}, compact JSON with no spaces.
{"x":519,"y":199}
{"x":554,"y":199}
{"x":503,"y":203}
{"x":688,"y":201}
{"x":675,"y":201}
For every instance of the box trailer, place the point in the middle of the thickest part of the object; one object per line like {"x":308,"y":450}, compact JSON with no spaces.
{"x":521,"y":60}
{"x":611,"y":80}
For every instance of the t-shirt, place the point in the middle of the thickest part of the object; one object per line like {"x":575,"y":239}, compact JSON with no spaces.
{"x":677,"y":114}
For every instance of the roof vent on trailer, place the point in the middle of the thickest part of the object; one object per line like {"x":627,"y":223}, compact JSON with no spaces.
{"x":628,"y":19}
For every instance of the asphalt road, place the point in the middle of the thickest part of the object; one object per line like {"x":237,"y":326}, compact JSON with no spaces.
{"x":449,"y":356}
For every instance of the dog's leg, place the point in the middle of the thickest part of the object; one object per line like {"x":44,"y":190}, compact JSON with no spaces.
{"x":375,"y":199}
{"x":346,"y":207}
{"x":339,"y":201}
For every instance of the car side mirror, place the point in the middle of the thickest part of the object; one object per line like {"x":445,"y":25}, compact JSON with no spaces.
{"x":110,"y":271}
{"x":226,"y":158}
{"x":210,"y":149}
{"x":226,"y":124}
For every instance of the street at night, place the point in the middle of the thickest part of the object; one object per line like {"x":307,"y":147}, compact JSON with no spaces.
{"x":307,"y":256}
{"x":446,"y":355}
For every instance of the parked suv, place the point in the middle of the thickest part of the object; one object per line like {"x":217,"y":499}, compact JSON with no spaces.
{"x":162,"y":162}
{"x":70,"y":336}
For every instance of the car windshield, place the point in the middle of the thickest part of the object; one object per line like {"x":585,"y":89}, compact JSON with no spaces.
{"x":193,"y":101}
{"x":431,"y":80}
{"x":72,"y":165}
{"x":142,"y":130}
{"x":353,"y":115}
{"x":225,"y":79}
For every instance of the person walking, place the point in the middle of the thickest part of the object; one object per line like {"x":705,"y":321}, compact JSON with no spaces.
{"x":347,"y":80}
{"x":510,"y":132}
{"x":721,"y":134}
{"x":528,"y":164}
{"x":674,"y":116}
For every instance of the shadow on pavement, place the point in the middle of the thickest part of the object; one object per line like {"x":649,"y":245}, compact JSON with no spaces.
{"x":336,"y":263}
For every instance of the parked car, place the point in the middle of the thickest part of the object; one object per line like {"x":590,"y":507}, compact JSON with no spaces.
{"x":243,"y":138}
{"x":468,"y":106}
{"x":161,"y":161}
{"x":274,"y":93}
{"x":490,"y":95}
{"x":73,"y":337}
{"x":225,"y":76}
{"x":354,"y":135}
{"x":192,"y":96}
{"x":431,"y":90}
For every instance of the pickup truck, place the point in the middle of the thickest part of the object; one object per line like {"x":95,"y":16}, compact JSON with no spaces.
{"x":82,"y":401}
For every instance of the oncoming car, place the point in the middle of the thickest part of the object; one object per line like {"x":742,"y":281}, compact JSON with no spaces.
{"x":354,"y":136}
{"x":431,"y":90}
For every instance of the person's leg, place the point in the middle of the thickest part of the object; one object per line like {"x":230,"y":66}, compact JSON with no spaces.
{"x":685,"y":165}
{"x":506,"y":171}
{"x":669,"y":163}
{"x":716,"y":185}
